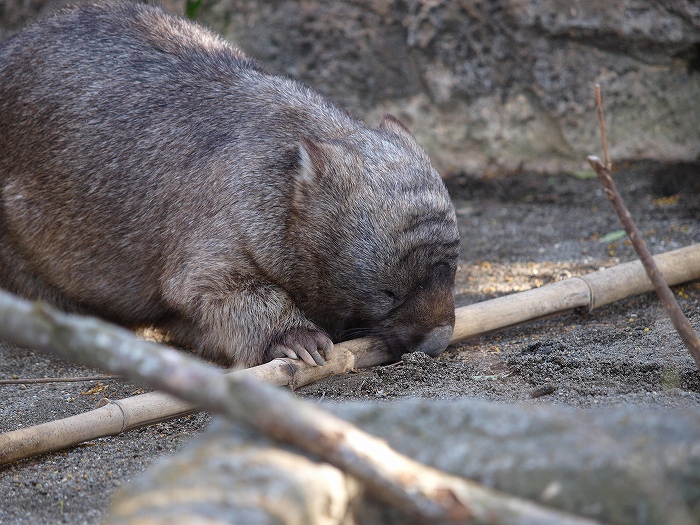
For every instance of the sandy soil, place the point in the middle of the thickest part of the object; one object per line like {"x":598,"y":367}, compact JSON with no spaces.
{"x":519,"y":231}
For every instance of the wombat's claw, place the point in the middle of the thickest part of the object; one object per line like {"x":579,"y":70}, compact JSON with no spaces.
{"x":304,"y":344}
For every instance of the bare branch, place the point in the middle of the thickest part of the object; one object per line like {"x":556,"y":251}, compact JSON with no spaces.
{"x":679,"y":320}
{"x":604,"y":135}
{"x":415,"y":488}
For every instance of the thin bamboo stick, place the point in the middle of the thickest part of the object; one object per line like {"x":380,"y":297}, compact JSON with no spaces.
{"x":586,"y":293}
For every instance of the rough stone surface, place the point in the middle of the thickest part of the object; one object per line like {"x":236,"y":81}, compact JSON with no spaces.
{"x":622,"y":466}
{"x":485,"y":85}
{"x":499,"y":83}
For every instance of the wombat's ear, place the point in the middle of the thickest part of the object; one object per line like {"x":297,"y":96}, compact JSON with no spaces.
{"x":325,"y":167}
{"x":314,"y":163}
{"x":393,"y":125}
{"x":318,"y":160}
{"x":313,"y":160}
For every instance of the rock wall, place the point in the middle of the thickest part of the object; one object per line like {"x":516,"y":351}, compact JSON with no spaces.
{"x":495,"y":83}
{"x":484,"y":85}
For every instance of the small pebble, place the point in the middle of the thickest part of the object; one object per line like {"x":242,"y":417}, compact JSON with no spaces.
{"x":543,"y":390}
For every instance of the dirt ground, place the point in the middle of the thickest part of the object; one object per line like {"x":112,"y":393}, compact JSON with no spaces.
{"x":518,"y":231}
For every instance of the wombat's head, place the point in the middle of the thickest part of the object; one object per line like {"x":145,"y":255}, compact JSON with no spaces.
{"x":382,"y":239}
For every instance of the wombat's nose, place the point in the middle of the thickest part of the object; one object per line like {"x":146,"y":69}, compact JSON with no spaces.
{"x":435,"y":341}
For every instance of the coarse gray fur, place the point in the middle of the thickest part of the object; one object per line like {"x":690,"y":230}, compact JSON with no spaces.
{"x":154,"y":175}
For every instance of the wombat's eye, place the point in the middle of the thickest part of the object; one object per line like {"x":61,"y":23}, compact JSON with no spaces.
{"x":443,"y":271}
{"x":391,"y":296}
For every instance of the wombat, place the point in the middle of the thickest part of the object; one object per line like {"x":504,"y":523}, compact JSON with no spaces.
{"x":154,"y":175}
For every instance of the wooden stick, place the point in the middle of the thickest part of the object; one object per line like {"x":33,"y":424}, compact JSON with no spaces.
{"x":34,"y":380}
{"x":679,"y":320}
{"x":416,"y":489}
{"x":603,"y":133}
{"x":584,"y":293}
{"x":113,"y":417}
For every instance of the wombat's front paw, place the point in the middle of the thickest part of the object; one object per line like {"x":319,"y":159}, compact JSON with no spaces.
{"x":309,"y":345}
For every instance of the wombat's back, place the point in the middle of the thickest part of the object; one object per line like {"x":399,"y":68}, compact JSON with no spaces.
{"x":131,"y":117}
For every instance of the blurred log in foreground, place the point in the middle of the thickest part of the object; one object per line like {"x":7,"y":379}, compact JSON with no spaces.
{"x":622,"y":465}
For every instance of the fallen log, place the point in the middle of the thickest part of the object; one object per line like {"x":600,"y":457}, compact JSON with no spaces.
{"x":622,"y":465}
{"x":576,"y":293}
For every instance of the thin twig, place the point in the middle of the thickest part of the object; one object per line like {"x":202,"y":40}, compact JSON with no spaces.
{"x":679,"y":320}
{"x":603,"y":133}
{"x":33,"y":380}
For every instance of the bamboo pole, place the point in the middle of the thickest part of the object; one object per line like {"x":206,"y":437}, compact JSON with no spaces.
{"x":585,"y":293}
{"x":113,"y":417}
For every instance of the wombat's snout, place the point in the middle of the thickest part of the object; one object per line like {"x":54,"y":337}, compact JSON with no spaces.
{"x":425,"y":322}
{"x":435,"y":341}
